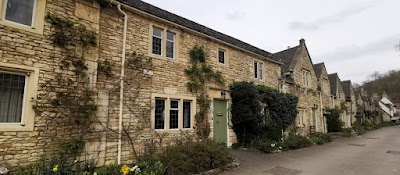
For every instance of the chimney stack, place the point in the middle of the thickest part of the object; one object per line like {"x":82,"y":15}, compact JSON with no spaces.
{"x":302,"y":41}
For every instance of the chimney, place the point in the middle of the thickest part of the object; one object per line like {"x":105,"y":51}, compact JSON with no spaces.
{"x":302,"y":41}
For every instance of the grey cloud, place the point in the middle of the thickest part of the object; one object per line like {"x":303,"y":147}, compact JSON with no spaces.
{"x":354,"y":51}
{"x":235,"y":15}
{"x":341,"y":16}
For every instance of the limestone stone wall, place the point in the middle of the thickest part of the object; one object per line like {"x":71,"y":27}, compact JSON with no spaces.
{"x":23,"y":48}
{"x":308,"y":95}
{"x":151,"y":76}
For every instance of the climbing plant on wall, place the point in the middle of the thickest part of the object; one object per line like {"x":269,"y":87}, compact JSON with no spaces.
{"x":200,"y":73}
{"x":67,"y":99}
{"x":257,"y":108}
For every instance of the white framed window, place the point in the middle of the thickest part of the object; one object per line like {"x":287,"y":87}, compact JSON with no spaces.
{"x":18,"y":92}
{"x":306,"y":77}
{"x":300,"y":117}
{"x":221,"y":56}
{"x":159,"y":119}
{"x":174,"y":114}
{"x":187,"y":114}
{"x":13,"y":96}
{"x":23,"y":14}
{"x":258,"y":70}
{"x":170,"y":45}
{"x":157,"y":41}
{"x":20,"y":11}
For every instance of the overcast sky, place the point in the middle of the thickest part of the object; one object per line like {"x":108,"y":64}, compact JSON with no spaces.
{"x":354,"y":38}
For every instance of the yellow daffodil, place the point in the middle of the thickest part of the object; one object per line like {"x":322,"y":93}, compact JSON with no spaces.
{"x":55,"y":168}
{"x":125,"y":170}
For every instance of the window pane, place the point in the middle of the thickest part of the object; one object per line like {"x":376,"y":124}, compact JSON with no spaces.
{"x":187,"y":114}
{"x":170,"y":36}
{"x":12,"y":96}
{"x":261,"y":70}
{"x":157,"y":32}
{"x":173,"y":119}
{"x":170,"y":49}
{"x":159,"y":114}
{"x":221,"y":56}
{"x":255,"y":69}
{"x":20,"y":11}
{"x":175,"y":104}
{"x":156,"y":45}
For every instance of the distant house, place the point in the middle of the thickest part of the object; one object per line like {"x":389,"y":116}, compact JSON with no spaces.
{"x":324,"y":88}
{"x":388,"y":110}
{"x":298,"y":77}
{"x":338,"y":99}
{"x":350,"y":101}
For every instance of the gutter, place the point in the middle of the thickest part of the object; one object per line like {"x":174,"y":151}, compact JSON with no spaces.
{"x":121,"y":93}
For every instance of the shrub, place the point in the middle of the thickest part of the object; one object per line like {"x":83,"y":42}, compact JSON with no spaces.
{"x":249,"y":124}
{"x":321,"y":138}
{"x":333,"y":121}
{"x":246,"y":111}
{"x":152,"y":166}
{"x":268,"y":131}
{"x":111,"y":169}
{"x":293,"y":141}
{"x":347,"y":132}
{"x":188,"y":157}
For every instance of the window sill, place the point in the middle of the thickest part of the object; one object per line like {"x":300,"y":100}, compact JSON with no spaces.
{"x":161,"y":57}
{"x":22,"y":27}
{"x":4,"y":127}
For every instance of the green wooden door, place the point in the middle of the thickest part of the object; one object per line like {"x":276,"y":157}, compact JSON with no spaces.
{"x":220,"y":121}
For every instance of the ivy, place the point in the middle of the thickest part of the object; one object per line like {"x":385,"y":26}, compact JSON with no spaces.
{"x":256,"y":108}
{"x":200,"y":74}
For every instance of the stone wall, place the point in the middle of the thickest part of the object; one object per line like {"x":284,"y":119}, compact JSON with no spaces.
{"x":154,"y":75}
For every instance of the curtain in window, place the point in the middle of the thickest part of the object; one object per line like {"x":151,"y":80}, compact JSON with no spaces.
{"x":11,"y":97}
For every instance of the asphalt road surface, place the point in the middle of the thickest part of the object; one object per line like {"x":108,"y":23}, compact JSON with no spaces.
{"x":374,"y":153}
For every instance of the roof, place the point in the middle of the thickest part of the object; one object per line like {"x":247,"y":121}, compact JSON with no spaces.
{"x":346,"y":85}
{"x":286,"y":57}
{"x":318,"y":69}
{"x":163,"y":14}
{"x":333,"y":82}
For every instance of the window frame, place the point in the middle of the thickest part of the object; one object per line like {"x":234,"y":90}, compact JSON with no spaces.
{"x":224,"y":58}
{"x":300,"y":117}
{"x":173,"y":109}
{"x":190,"y":114}
{"x":3,"y":17}
{"x":152,"y":41}
{"x":168,"y":98}
{"x":173,"y":44}
{"x":260,"y":70}
{"x":26,"y":75}
{"x":165,"y":114}
{"x":164,"y":40}
{"x":258,"y":73}
{"x":38,"y":15}
{"x":30,"y":95}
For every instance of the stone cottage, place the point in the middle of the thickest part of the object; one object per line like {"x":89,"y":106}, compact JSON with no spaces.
{"x":118,"y":85}
{"x":298,"y":77}
{"x":338,"y":99}
{"x":351,"y":104}
{"x":324,"y":90}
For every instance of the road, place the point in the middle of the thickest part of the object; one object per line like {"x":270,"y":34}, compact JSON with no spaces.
{"x":361,"y":155}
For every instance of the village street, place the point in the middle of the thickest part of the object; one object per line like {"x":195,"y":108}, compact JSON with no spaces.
{"x":374,"y":153}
